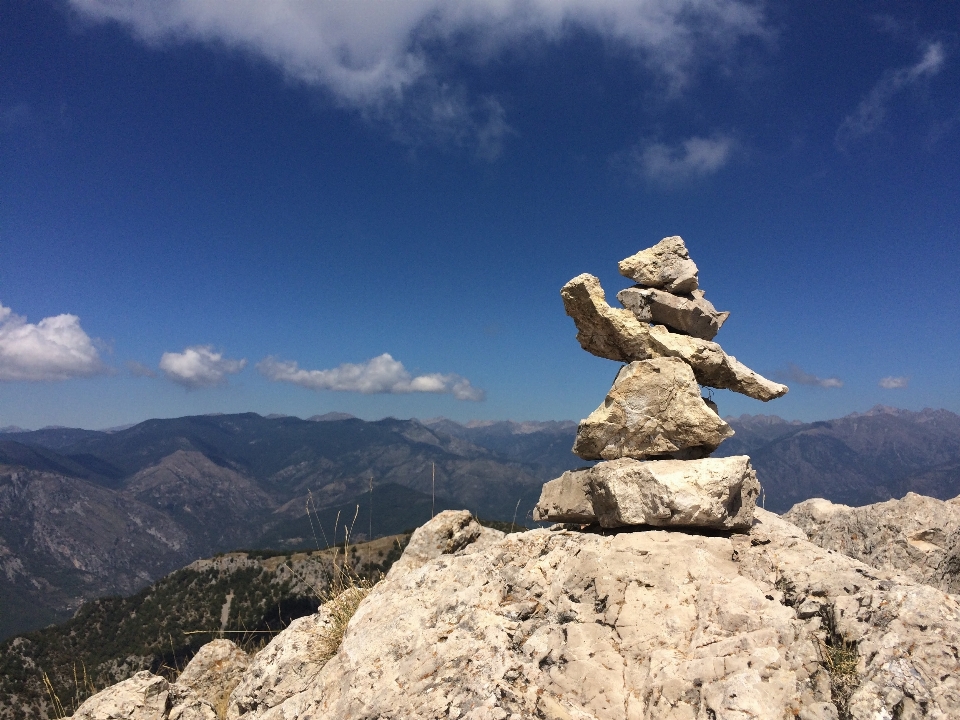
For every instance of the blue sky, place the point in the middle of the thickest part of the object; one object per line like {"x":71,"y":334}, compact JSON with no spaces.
{"x":234,"y":206}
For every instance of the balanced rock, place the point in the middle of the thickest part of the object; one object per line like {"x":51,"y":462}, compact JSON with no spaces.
{"x":616,"y":334}
{"x":666,"y":265}
{"x":691,"y":314}
{"x":719,"y":493}
{"x":653,"y":409}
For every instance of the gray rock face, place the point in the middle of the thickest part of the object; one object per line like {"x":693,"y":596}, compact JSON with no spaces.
{"x":656,"y":625}
{"x":918,"y":536}
{"x":212,"y":674}
{"x":616,"y":334}
{"x":449,"y":533}
{"x":715,"y":493}
{"x":142,"y":697}
{"x":653,"y":409}
{"x":690,"y":314}
{"x":666,"y":265}
{"x":659,"y":625}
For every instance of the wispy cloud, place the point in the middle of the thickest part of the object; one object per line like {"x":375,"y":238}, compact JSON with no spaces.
{"x":199,"y":366}
{"x":893,"y":383}
{"x":695,"y":157}
{"x":872,"y":110}
{"x":381,"y":374}
{"x":139,"y":369}
{"x":380,"y":56}
{"x":796,"y":374}
{"x":56,"y":348}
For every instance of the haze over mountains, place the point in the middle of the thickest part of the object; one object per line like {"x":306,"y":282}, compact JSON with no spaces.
{"x":90,"y":513}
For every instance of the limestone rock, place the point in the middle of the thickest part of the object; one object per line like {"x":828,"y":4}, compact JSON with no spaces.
{"x":714,"y":492}
{"x":213,"y":673}
{"x":285,"y":668}
{"x":653,"y":409}
{"x":450,"y":532}
{"x":666,"y":265}
{"x":660,"y":625}
{"x":604,"y":331}
{"x":690,"y":314}
{"x":569,"y":498}
{"x":918,"y":536}
{"x":616,"y":334}
{"x":142,"y":697}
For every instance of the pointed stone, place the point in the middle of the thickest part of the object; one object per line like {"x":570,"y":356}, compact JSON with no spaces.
{"x":691,"y":314}
{"x":666,"y":265}
{"x":617,"y":335}
{"x":654,"y":409}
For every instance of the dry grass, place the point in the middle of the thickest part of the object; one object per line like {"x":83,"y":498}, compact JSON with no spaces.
{"x":840,"y":660}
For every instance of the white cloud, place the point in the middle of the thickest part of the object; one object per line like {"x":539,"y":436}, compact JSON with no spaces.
{"x":199,"y":366}
{"x":873,"y":108}
{"x":371,"y":53}
{"x":56,"y":348}
{"x":892,"y":383}
{"x":689,"y":159}
{"x":798,"y":375}
{"x":381,"y":374}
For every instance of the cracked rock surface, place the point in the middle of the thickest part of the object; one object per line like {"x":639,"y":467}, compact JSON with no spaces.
{"x":917,"y":535}
{"x":655,"y":624}
{"x":557,"y":623}
{"x":666,"y":265}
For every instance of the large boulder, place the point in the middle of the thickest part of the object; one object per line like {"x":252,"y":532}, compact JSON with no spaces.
{"x":918,"y":536}
{"x":654,"y":409}
{"x":657,"y":624}
{"x":210,"y":677}
{"x":718,"y":493}
{"x":616,"y":334}
{"x":691,"y":314}
{"x":142,"y":697}
{"x":666,"y":265}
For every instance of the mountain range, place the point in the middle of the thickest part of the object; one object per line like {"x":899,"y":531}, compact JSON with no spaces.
{"x":85,"y":514}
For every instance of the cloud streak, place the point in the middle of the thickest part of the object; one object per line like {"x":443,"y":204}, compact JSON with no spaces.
{"x":689,"y":159}
{"x":894,"y":383}
{"x":796,"y":374}
{"x":199,"y":366}
{"x":872,"y":110}
{"x":381,"y":374}
{"x":379,"y":56}
{"x":56,"y":348}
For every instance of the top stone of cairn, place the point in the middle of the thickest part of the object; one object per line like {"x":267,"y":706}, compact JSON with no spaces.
{"x":666,"y":265}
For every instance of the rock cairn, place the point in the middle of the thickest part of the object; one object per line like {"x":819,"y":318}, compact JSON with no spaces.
{"x":654,"y":431}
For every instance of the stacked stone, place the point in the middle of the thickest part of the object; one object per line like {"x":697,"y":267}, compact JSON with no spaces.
{"x":654,"y":432}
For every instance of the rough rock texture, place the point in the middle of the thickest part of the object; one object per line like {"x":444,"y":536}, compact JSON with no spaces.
{"x":568,"y":499}
{"x":142,"y":697}
{"x":657,"y":624}
{"x":691,"y":314}
{"x":918,"y":536}
{"x":450,"y":532}
{"x":213,"y":673}
{"x":617,"y":335}
{"x":666,"y":265}
{"x":715,"y":493}
{"x":653,"y":409}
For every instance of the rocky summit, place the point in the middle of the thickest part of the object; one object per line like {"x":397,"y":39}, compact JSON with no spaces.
{"x":654,"y":413}
{"x":567,"y":624}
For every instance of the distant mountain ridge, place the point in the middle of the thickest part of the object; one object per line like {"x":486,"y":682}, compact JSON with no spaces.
{"x":216,"y":483}
{"x":220,"y":482}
